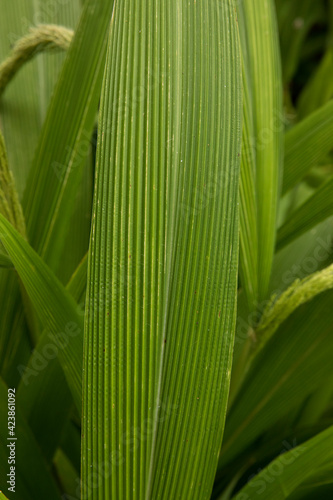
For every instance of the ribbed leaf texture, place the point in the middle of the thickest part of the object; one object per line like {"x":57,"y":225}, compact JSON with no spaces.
{"x":162,"y":273}
{"x":262,"y":145}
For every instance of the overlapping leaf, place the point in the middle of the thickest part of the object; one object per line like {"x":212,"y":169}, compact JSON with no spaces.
{"x":262,"y":145}
{"x":55,"y":306}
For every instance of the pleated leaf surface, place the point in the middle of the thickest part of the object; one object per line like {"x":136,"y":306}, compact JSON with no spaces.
{"x":163,"y":253}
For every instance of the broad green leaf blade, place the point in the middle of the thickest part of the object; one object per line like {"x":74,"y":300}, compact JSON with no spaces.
{"x":306,"y":144}
{"x":163,"y":252}
{"x":33,"y":478}
{"x":314,"y":210}
{"x":54,"y":305}
{"x":249,"y":243}
{"x":287,"y":472}
{"x":292,"y":365}
{"x":262,"y":159}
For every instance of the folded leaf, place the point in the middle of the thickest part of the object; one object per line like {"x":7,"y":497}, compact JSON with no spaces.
{"x":163,"y":252}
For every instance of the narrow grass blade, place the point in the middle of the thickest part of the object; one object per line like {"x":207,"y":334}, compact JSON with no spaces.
{"x":263,"y":130}
{"x":54,"y":305}
{"x":249,"y":243}
{"x":163,"y":254}
{"x":294,"y":467}
{"x":316,"y":209}
{"x":306,"y":144}
{"x":43,"y":391}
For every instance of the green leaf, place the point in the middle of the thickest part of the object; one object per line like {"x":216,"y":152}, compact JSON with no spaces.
{"x":163,"y":252}
{"x":43,"y":392}
{"x":314,"y":210}
{"x":58,"y":164}
{"x":319,"y":90}
{"x":263,"y":145}
{"x":281,"y":307}
{"x":306,"y":144}
{"x":54,"y":305}
{"x":287,"y":472}
{"x":32,"y":477}
{"x":50,"y":198}
{"x":22,"y":111}
{"x":290,"y":367}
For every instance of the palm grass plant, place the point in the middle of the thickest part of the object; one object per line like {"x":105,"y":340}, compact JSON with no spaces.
{"x":166,"y":250}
